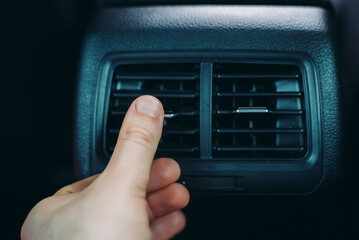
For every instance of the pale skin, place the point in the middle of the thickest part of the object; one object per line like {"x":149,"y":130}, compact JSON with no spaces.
{"x":133,"y":198}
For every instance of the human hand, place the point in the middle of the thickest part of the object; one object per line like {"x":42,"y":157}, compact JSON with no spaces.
{"x":132,"y":198}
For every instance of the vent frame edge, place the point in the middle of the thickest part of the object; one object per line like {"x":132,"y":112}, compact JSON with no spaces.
{"x":304,"y":62}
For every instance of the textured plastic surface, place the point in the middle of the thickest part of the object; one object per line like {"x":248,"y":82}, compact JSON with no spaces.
{"x":284,"y":2}
{"x":302,"y":31}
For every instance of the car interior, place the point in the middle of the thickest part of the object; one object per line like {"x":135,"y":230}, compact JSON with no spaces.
{"x":259,"y":99}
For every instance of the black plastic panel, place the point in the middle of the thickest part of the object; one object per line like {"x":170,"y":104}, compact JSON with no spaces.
{"x":150,"y":2}
{"x":301,"y":35}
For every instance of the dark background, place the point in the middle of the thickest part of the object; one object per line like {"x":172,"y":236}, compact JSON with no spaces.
{"x":40,"y":45}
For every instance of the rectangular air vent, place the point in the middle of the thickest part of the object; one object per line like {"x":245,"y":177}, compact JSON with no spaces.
{"x":176,"y":86}
{"x":258,"y":112}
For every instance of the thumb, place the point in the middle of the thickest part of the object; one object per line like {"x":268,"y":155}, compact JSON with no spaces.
{"x":130,"y":164}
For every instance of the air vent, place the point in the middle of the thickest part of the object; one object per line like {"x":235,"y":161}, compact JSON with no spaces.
{"x":177,"y":87}
{"x":258,"y":112}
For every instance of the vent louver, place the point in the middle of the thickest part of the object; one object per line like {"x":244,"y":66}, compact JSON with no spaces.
{"x":176,"y":86}
{"x":258,"y":112}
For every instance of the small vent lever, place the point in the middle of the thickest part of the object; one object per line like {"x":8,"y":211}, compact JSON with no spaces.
{"x":251,"y":110}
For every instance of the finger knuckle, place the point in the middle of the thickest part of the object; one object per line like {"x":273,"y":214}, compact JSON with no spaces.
{"x":139,"y":135}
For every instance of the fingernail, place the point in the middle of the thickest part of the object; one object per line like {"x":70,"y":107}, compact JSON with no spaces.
{"x":148,"y":106}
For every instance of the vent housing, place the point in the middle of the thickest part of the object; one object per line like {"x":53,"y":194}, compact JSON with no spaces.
{"x":258,"y":110}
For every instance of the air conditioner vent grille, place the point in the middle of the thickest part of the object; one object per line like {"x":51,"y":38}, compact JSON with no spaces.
{"x":258,"y":112}
{"x":177,"y":87}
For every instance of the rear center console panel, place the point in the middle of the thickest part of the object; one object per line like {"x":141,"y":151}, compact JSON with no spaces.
{"x":213,"y":33}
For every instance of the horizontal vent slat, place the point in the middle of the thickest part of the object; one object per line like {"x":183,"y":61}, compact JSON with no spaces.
{"x":177,"y":113}
{"x":167,"y":94}
{"x":122,"y":77}
{"x":242,"y":149}
{"x":278,"y":112}
{"x":258,"y":130}
{"x":178,"y":149}
{"x":186,"y":132}
{"x":259,"y":94}
{"x":255,"y":76}
{"x":173,"y":149}
{"x":167,"y":131}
